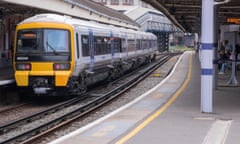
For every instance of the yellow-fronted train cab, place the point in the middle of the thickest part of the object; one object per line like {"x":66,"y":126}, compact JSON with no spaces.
{"x":43,"y":55}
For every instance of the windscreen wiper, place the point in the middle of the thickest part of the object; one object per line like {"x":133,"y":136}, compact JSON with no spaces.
{"x":52,"y":48}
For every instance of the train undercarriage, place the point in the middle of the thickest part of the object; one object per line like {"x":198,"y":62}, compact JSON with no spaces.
{"x":44,"y":85}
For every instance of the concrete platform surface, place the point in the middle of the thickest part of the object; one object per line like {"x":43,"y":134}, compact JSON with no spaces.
{"x":169,"y":114}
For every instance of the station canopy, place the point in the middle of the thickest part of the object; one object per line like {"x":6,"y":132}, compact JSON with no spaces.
{"x":84,"y":9}
{"x":186,"y":14}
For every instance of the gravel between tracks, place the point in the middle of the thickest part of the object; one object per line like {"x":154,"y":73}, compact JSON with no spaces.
{"x":133,"y":93}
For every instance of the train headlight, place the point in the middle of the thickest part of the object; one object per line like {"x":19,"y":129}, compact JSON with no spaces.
{"x":61,"y":66}
{"x":23,"y":66}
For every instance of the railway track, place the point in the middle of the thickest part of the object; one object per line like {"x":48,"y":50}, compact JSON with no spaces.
{"x":76,"y":108}
{"x":4,"y":110}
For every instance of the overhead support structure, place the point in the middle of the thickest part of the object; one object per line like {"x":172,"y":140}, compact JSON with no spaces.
{"x":158,"y":5}
{"x":187,"y":12}
{"x":83,"y":9}
{"x":208,"y":47}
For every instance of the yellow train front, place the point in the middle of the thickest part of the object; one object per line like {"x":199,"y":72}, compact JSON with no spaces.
{"x":43,"y":56}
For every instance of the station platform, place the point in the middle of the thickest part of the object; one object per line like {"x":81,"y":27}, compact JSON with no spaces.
{"x":169,"y":113}
{"x":6,"y":72}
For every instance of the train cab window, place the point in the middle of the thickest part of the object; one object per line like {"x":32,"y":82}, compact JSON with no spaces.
{"x":56,"y":40}
{"x":29,"y":40}
{"x":43,"y":40}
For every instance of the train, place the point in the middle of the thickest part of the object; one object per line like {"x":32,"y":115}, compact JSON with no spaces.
{"x":57,"y":54}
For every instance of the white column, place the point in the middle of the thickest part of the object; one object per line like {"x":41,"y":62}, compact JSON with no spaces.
{"x":207,"y":55}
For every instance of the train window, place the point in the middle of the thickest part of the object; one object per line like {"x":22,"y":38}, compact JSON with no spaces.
{"x":117,"y":44}
{"x":77,"y":42}
{"x":148,"y":43}
{"x":124,"y":45}
{"x":144,"y":44}
{"x":102,"y":45}
{"x":98,"y":45}
{"x":56,"y":40}
{"x":29,"y":40}
{"x":107,"y":45}
{"x":43,"y":40}
{"x":138,"y":44}
{"x":131,"y":45}
{"x":85,"y":45}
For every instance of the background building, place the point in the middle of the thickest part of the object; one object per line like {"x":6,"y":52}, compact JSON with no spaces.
{"x":122,"y":4}
{"x":149,"y":20}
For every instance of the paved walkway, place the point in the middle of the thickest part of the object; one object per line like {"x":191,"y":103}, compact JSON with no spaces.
{"x":169,"y":114}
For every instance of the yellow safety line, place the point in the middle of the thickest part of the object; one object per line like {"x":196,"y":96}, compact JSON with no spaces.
{"x":161,"y":110}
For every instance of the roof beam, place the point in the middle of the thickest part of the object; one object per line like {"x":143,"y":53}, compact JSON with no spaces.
{"x":183,"y":6}
{"x":59,"y":6}
{"x":158,"y":5}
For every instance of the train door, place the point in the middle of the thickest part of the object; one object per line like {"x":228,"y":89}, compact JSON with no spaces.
{"x":143,"y":44}
{"x":126,"y":41}
{"x":77,"y":45}
{"x":112,"y":47}
{"x":135,"y":44}
{"x":148,"y":43}
{"x":124,"y":46}
{"x":138,"y":44}
{"x":77,"y":51}
{"x":91,"y":48}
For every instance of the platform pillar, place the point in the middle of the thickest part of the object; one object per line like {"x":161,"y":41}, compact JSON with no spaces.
{"x":207,"y":55}
{"x":233,"y":79}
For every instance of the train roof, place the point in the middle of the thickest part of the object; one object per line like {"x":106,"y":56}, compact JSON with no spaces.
{"x":56,"y":18}
{"x":78,"y":23}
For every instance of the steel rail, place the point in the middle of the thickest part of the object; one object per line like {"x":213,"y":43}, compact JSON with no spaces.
{"x":108,"y":97}
{"x":83,"y":110}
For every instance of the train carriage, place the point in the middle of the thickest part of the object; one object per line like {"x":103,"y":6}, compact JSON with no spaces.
{"x":55,"y":54}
